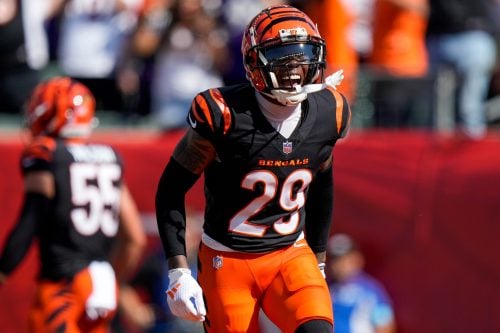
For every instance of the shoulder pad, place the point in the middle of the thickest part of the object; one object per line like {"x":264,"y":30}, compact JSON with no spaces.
{"x":210,"y":114}
{"x":38,"y":154}
{"x":342,"y":112}
{"x":40,"y":148}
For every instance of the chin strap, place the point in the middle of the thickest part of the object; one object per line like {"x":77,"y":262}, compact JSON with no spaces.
{"x":285,"y":97}
{"x":290,"y":98}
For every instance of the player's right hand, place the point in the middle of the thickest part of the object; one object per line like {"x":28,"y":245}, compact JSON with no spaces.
{"x":184,"y":295}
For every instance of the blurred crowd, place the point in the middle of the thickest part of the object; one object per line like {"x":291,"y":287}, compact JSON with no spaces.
{"x":408,"y":63}
{"x":431,"y":64}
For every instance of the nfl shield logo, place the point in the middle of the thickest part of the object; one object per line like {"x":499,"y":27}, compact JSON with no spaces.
{"x":217,"y":262}
{"x":287,"y":147}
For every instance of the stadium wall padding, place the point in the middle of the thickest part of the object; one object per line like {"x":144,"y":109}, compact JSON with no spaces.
{"x":425,"y":209}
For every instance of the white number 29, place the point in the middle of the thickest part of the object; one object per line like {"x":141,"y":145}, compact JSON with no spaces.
{"x":96,"y":197}
{"x":288,"y":199}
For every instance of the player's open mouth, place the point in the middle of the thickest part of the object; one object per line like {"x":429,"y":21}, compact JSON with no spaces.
{"x":293,"y":79}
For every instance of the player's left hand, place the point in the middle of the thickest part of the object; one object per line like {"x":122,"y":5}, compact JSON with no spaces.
{"x":335,"y":79}
{"x":184,"y":295}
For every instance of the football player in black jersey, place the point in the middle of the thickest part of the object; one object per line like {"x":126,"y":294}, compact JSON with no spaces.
{"x":78,"y":207}
{"x":265,"y":149}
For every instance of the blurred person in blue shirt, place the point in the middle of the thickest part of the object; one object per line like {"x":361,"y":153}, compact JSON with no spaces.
{"x":360,"y":302}
{"x":460,"y":36}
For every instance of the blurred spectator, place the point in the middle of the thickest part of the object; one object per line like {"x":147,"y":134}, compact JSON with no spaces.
{"x":135,"y":72}
{"x":360,"y":30}
{"x":361,"y":303}
{"x":190,"y":57}
{"x":398,"y":66}
{"x":236,"y":15}
{"x":23,"y":50}
{"x":493,"y":103}
{"x":335,"y":20}
{"x":460,"y":35}
{"x":93,"y":35}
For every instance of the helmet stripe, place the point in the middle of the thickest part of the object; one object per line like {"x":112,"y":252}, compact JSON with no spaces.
{"x":284,"y":19}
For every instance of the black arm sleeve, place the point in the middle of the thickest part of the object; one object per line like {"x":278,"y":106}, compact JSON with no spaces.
{"x":34,"y":211}
{"x":319,"y":210}
{"x":174,"y":183}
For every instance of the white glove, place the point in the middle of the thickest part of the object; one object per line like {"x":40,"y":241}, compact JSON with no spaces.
{"x":184,"y":295}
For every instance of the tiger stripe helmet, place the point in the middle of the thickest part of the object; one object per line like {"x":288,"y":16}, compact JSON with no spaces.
{"x":274,"y":34}
{"x":60,"y":107}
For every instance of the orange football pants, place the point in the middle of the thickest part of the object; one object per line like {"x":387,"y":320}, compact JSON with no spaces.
{"x":59,"y":306}
{"x":286,"y":284}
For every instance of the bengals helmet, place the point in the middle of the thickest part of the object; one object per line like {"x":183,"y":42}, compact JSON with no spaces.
{"x":282,"y":51}
{"x":60,"y":107}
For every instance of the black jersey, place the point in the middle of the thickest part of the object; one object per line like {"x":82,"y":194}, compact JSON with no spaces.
{"x":257,"y":187}
{"x":83,"y":217}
